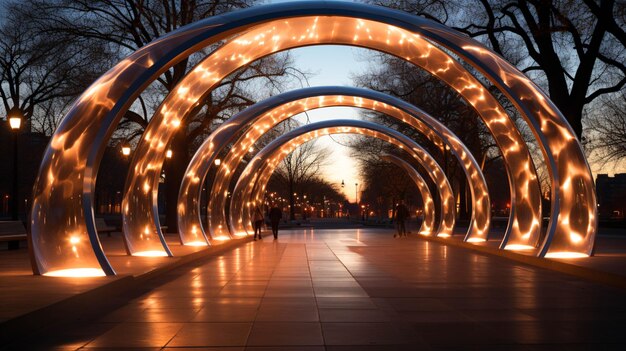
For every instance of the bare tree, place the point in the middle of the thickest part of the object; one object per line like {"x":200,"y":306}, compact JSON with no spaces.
{"x":385,"y":183}
{"x":608,"y":132}
{"x":298,"y":168}
{"x":314,"y":192}
{"x":40,"y":73}
{"x":575,"y":49}
{"x":398,"y":78}
{"x":127,"y":25}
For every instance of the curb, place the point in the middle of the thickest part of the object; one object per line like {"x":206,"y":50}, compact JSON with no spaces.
{"x":590,"y":274}
{"x":81,"y":305}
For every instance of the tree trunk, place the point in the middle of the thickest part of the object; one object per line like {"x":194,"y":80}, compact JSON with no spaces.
{"x":174,"y":173}
{"x":573,"y":112}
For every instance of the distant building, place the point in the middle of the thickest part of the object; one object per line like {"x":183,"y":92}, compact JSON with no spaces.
{"x":30,"y":148}
{"x":611,"y":196}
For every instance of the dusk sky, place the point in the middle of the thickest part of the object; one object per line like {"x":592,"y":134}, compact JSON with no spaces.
{"x":334,"y":65}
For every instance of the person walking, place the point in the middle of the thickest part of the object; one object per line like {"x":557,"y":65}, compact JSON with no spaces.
{"x":258,"y":222}
{"x":275,"y":216}
{"x":402,"y":214}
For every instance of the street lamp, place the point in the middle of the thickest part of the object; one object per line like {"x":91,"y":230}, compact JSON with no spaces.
{"x":356,"y":193}
{"x":125,"y":148}
{"x":15,"y":117}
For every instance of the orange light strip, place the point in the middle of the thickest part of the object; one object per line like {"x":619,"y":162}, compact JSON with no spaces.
{"x":253,"y":179}
{"x":258,"y":119}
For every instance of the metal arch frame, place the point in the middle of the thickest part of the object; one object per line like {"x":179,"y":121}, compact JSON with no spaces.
{"x":255,"y":120}
{"x":62,"y":215}
{"x":429,"y":205}
{"x":520,"y":169}
{"x":253,"y":192}
{"x":428,"y":224}
{"x":262,"y":165}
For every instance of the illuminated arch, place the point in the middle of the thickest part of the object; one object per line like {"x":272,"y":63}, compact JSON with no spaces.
{"x":253,"y":122}
{"x":258,"y":171}
{"x":428,"y":224}
{"x":62,"y":229}
{"x":253,"y":190}
{"x":140,"y":190}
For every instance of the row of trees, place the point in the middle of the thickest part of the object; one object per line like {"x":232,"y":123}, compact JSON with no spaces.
{"x":574,"y":50}
{"x":51,"y":50}
{"x":300,"y":172}
{"x":396,"y":77}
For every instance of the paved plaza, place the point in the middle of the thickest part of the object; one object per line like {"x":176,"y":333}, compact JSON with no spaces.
{"x":355,"y":289}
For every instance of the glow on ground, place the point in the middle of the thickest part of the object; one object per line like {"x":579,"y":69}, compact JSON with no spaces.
{"x":518,"y":247}
{"x":221,"y":238}
{"x":196,"y":243}
{"x":150,"y":254}
{"x":76,"y":273}
{"x":566,"y":254}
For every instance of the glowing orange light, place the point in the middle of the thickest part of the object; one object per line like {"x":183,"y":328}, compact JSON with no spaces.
{"x":15,"y":122}
{"x":565,"y":254}
{"x":76,"y":273}
{"x":575,"y":237}
{"x":74,"y":240}
{"x":221,"y":238}
{"x":168,"y":153}
{"x":475,"y":240}
{"x":150,"y":254}
{"x":518,"y":247}
{"x":196,"y":243}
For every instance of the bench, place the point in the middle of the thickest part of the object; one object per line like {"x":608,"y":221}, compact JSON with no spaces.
{"x":13,"y":232}
{"x":103,"y":227}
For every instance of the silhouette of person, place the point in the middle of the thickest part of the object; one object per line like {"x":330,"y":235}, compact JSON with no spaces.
{"x":275,"y":216}
{"x":258,"y":222}
{"x":402,"y":214}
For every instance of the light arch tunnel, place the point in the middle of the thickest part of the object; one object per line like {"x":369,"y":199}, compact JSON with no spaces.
{"x":62,"y":234}
{"x":428,"y":224}
{"x":251,"y":184}
{"x":253,"y":122}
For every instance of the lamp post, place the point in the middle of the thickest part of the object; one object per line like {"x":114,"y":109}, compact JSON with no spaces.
{"x":356,"y":193}
{"x":125,"y":148}
{"x":15,"y":117}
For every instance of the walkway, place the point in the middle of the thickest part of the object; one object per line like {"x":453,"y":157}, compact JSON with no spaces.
{"x":358,"y":289}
